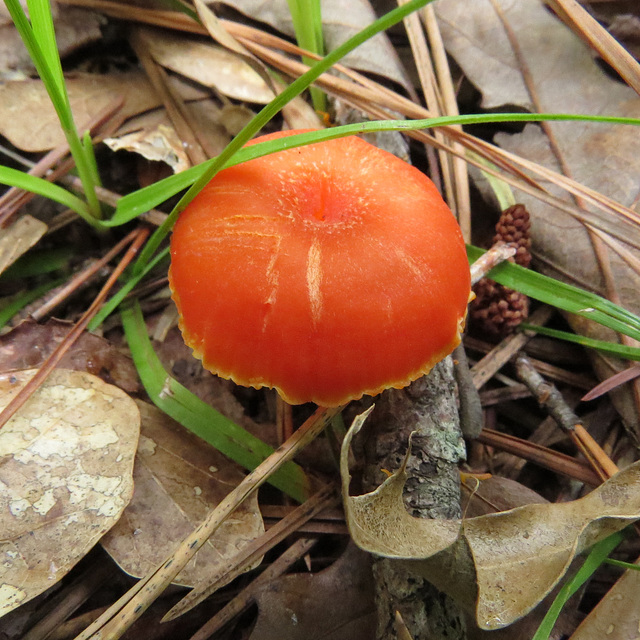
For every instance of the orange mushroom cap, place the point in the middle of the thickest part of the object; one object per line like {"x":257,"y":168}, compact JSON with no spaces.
{"x":326,"y":272}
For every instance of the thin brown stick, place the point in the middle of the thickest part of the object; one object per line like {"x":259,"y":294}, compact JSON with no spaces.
{"x":78,"y":280}
{"x":252,"y":552}
{"x":542,"y":456}
{"x":498,"y":253}
{"x":450,"y":105}
{"x":247,"y":596}
{"x":551,"y":399}
{"x":585,"y":26}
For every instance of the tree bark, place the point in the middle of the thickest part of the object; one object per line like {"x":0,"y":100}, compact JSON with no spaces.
{"x":426,"y":408}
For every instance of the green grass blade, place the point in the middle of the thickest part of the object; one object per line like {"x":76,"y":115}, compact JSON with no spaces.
{"x":36,"y":54}
{"x":132,"y":205}
{"x":15,"y":178}
{"x":199,"y":417}
{"x":306,"y":16}
{"x":38,"y":36}
{"x":564,"y":296}
{"x":596,"y":557}
{"x":44,"y":33}
{"x":623,"y":565}
{"x":610,"y":348}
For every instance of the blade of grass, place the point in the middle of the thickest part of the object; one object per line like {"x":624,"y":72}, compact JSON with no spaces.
{"x":42,"y":187}
{"x":610,"y":348}
{"x":199,"y":417}
{"x":38,"y":36}
{"x":623,"y":565}
{"x":132,"y":205}
{"x":563,"y":296}
{"x":596,"y":557}
{"x":306,"y":16}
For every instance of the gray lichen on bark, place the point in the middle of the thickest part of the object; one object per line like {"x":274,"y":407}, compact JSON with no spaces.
{"x":427,"y":409}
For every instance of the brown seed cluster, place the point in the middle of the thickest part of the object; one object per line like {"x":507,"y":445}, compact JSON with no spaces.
{"x":498,"y":310}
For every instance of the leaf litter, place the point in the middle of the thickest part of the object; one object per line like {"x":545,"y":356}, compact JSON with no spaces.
{"x":563,"y":552}
{"x":500,"y":564}
{"x":601,"y":156}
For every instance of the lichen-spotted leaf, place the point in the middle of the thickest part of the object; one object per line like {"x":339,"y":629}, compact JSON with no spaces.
{"x":66,"y":461}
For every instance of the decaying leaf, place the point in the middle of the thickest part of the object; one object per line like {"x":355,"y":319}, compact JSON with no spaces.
{"x":294,"y":607}
{"x":178,"y":480}
{"x":65,"y":476}
{"x":18,"y":238}
{"x":159,"y":144}
{"x":502,"y":564}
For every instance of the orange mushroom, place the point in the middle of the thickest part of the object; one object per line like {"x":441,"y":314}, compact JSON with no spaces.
{"x":326,"y":272}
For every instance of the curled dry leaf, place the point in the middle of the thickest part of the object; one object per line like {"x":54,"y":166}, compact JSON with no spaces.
{"x":500,"y":564}
{"x":159,"y":144}
{"x":66,"y":461}
{"x":178,"y":480}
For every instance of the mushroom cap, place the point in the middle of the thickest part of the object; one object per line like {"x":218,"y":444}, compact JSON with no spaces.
{"x":326,"y":272}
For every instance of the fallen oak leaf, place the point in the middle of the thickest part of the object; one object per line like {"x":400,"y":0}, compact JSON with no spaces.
{"x":500,"y":564}
{"x":66,"y":461}
{"x":178,"y":480}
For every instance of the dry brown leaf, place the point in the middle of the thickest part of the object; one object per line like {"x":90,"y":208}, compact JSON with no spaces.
{"x":178,"y":480}
{"x":209,"y":64}
{"x":19,"y":237}
{"x":74,"y":27}
{"x":616,"y":616}
{"x":215,"y":127}
{"x":29,"y":121}
{"x":28,"y":344}
{"x":501,"y":564}
{"x":341,"y":19}
{"x":601,"y":156}
{"x":65,"y":476}
{"x":295,"y":607}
